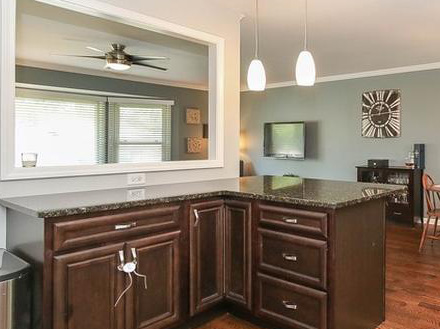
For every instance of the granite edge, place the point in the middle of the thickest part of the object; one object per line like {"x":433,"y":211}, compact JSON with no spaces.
{"x":64,"y":212}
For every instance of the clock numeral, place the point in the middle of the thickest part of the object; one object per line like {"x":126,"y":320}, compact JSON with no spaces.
{"x":389,"y":96}
{"x":368,"y":97}
{"x":395,"y":103}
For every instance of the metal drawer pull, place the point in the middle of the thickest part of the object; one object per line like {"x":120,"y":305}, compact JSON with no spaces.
{"x":397,"y":213}
{"x":289,"y":257}
{"x":119,"y":227}
{"x":196,"y":215}
{"x":290,"y":305}
{"x":291,"y":220}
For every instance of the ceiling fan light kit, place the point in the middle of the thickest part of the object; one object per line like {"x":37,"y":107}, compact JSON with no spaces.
{"x":256,"y":77}
{"x":117,"y":64}
{"x":118,"y":60}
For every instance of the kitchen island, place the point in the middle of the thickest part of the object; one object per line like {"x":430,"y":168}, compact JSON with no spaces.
{"x":285,"y":252}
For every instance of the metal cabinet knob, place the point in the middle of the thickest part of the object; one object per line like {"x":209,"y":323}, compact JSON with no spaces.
{"x":289,"y":257}
{"x":196,"y":215}
{"x":126,"y":226}
{"x":290,"y":305}
{"x":290,"y":220}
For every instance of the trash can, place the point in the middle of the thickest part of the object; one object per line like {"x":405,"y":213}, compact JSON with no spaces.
{"x":15,"y":292}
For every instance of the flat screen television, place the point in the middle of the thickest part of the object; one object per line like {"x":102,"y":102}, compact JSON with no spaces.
{"x":285,"y":140}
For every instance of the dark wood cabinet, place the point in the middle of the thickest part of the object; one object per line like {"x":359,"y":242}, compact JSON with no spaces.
{"x":403,"y":208}
{"x":284,"y":265}
{"x":290,"y":305}
{"x":158,"y":306}
{"x":85,"y":287}
{"x":238,"y":252}
{"x":293,"y":257}
{"x":206,"y":255}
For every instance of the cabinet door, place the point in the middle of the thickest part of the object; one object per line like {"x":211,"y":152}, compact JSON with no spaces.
{"x":206,"y":255}
{"x":238,"y":252}
{"x":158,"y":306}
{"x":85,"y":287}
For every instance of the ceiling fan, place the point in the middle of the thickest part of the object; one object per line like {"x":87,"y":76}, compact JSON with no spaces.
{"x":119,"y":60}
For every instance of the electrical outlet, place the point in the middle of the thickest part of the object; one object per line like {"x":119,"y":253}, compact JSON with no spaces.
{"x":136,"y":179}
{"x":136,"y":195}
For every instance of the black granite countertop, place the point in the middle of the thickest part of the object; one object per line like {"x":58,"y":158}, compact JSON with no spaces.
{"x":292,"y":190}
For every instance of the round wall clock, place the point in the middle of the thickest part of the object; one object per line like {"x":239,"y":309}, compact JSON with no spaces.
{"x":381,"y":111}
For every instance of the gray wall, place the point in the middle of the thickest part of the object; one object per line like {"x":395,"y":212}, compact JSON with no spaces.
{"x":332,"y":111}
{"x":183,"y":98}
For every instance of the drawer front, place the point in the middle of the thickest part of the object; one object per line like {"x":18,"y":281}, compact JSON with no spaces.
{"x":290,"y":305}
{"x":296,"y":258}
{"x":297,"y":220}
{"x":399,"y":212}
{"x":95,"y":230}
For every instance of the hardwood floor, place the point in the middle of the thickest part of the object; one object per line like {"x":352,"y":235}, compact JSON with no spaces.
{"x":412,"y":287}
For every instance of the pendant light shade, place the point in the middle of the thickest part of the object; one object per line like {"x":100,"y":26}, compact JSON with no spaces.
{"x":305,"y":69}
{"x":256,"y":76}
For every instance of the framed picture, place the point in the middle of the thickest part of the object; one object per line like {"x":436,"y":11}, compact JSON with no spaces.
{"x":194,"y":145}
{"x":193,"y":116}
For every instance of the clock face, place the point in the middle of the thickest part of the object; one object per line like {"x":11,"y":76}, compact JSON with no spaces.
{"x":381,"y":114}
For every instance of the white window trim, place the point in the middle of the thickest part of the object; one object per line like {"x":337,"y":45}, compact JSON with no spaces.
{"x":142,"y":98}
{"x":104,"y":10}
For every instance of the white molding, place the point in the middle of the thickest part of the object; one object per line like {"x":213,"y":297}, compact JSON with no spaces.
{"x":360,"y":75}
{"x":107,"y":169}
{"x":150,"y":99}
{"x":104,"y":10}
{"x":108,"y":74}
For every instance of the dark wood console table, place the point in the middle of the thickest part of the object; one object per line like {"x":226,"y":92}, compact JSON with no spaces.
{"x":406,"y":207}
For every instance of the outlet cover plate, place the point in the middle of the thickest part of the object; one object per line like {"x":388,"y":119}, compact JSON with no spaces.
{"x":136,"y":194}
{"x":136,"y":179}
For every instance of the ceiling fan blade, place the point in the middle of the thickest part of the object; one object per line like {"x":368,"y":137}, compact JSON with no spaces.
{"x":151,"y":66}
{"x":95,"y":49}
{"x":148,"y":58}
{"x":82,"y":56}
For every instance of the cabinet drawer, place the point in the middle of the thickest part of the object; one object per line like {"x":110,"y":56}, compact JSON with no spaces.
{"x":290,"y":305}
{"x":301,"y":221}
{"x":399,"y":211}
{"x":95,"y":230}
{"x":300,"y":259}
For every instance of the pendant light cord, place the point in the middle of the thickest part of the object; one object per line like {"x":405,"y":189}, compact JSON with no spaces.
{"x":257,"y":32}
{"x":305,"y":26}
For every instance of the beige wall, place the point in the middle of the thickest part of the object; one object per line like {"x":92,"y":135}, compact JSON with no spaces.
{"x":201,"y":15}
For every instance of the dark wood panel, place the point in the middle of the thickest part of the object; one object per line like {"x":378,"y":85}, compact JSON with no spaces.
{"x":293,"y":257}
{"x":158,"y":306}
{"x":358,"y":268}
{"x":86,"y":285}
{"x":296,"y":220}
{"x":238,"y":252}
{"x":207,"y":255}
{"x":94,"y":230}
{"x":290,"y":305}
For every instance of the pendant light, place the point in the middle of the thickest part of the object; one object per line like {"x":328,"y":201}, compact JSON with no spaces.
{"x":256,"y":77}
{"x":305,"y":65}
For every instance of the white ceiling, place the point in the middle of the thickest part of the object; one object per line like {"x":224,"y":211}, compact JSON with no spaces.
{"x":45,"y":32}
{"x":345,"y":36}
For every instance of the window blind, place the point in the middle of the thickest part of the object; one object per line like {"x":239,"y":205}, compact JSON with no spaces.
{"x":61,"y":128}
{"x":142,"y":132}
{"x":79,"y":129}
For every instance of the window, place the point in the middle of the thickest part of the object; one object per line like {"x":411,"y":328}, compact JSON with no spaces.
{"x":79,"y":129}
{"x":61,"y":128}
{"x":142,"y":132}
